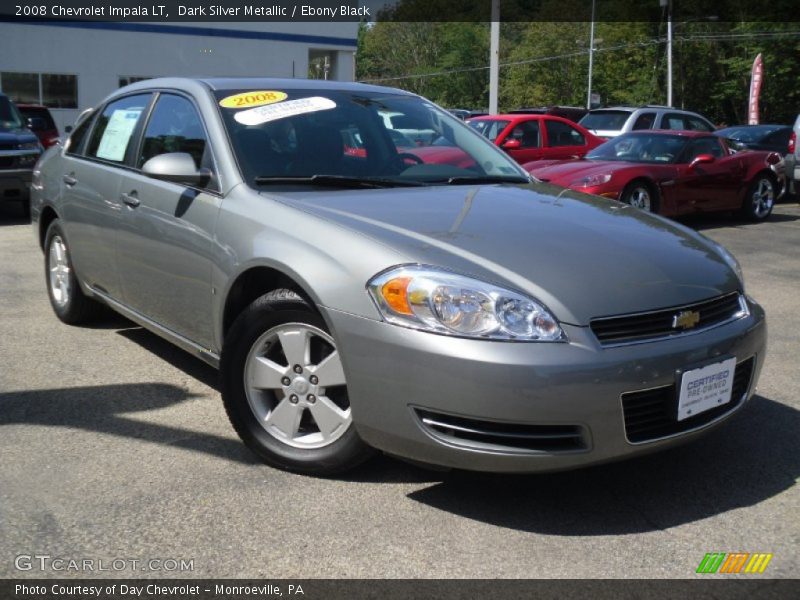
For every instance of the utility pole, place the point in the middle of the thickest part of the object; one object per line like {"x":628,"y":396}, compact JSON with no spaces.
{"x":591,"y":61}
{"x":494,"y":57}
{"x":668,"y":5}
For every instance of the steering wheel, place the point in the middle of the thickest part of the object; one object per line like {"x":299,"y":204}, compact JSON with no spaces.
{"x":412,"y":157}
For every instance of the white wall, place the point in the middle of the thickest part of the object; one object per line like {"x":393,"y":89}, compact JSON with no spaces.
{"x":99,"y":57}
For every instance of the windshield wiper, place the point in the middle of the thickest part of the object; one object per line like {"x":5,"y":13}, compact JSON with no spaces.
{"x":339,"y":181}
{"x":482,"y":180}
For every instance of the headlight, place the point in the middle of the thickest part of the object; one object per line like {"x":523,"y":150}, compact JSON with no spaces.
{"x":434,"y":300}
{"x":591,"y":181}
{"x":732,"y":262}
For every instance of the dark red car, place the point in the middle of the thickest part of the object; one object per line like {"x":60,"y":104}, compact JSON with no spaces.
{"x":40,"y":121}
{"x":671,"y":173}
{"x":536,"y":137}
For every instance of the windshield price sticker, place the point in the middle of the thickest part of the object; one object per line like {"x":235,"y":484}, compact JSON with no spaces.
{"x":291,"y":108}
{"x":250,"y":99}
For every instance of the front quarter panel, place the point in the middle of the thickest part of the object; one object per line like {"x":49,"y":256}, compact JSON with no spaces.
{"x":331,"y":263}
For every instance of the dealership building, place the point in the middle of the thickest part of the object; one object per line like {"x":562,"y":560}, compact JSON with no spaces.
{"x":70,"y":66}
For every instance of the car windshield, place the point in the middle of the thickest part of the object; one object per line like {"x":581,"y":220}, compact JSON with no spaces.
{"x":638,"y":147}
{"x":611,"y":120}
{"x":9,"y":115}
{"x":489,"y":128}
{"x":338,"y":137}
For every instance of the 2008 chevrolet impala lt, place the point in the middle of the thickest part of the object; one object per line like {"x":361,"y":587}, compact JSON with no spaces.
{"x":369,"y":273}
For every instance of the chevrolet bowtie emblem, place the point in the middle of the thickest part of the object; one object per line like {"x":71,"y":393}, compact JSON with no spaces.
{"x":685,"y":319}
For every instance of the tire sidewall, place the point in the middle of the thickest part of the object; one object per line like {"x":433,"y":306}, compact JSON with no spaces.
{"x":749,"y":208}
{"x":654,"y":202}
{"x":69,"y":311}
{"x":263,"y":315}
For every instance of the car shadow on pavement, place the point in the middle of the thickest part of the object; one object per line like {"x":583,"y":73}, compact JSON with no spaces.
{"x":105,"y":409}
{"x":749,"y":459}
{"x":702,"y":222}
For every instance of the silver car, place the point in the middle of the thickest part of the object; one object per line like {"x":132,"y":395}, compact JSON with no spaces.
{"x":431,"y":302}
{"x":616,"y":120}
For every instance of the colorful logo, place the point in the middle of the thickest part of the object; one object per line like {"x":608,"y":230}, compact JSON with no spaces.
{"x":734,"y":562}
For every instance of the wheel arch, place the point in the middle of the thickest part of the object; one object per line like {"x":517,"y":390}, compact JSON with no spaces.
{"x":252,"y":283}
{"x":47,"y":216}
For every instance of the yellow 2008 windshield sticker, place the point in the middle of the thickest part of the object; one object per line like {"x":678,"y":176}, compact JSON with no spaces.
{"x":251,"y":99}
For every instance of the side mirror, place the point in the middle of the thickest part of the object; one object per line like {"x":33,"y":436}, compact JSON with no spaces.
{"x":701,"y":159}
{"x":177,"y":167}
{"x":511,"y":144}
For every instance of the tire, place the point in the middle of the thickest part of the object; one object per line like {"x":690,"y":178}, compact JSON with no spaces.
{"x":69,"y":302}
{"x":641,"y":195}
{"x":285,"y":414}
{"x":760,"y":198}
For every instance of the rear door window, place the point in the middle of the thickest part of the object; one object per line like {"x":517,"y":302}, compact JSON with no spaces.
{"x":561,"y":134}
{"x":645,"y":121}
{"x":115,"y":127}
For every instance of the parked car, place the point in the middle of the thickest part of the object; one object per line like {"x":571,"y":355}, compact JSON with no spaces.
{"x":19,"y":151}
{"x":672,"y":173}
{"x":573,"y":113}
{"x":39,"y":120}
{"x":773,"y":138}
{"x":464,"y":317}
{"x":610,"y":122}
{"x":792,"y":159}
{"x":536,"y":137}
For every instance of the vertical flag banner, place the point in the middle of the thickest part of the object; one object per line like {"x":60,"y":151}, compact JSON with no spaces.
{"x":756,"y":76}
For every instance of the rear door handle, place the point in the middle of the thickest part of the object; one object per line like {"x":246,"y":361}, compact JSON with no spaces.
{"x":131,"y":199}
{"x":69,"y":180}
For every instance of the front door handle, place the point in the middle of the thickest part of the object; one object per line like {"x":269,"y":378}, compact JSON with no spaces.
{"x":69,"y":180}
{"x":131,"y":199}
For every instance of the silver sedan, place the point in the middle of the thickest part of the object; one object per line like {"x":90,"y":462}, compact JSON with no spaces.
{"x":424,"y":298}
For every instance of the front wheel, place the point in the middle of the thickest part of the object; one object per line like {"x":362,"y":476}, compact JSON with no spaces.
{"x":641,"y":195}
{"x":284,"y":388}
{"x":760,"y":199}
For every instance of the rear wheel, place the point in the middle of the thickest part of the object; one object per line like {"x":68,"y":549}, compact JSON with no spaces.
{"x":640,"y":194}
{"x":760,"y":198}
{"x":284,"y":388}
{"x":69,"y":302}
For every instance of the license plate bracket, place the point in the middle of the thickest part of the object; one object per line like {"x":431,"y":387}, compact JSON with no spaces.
{"x":706,"y":387}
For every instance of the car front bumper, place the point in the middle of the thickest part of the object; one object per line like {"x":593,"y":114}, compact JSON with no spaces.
{"x":15,"y":184}
{"x":397,"y":377}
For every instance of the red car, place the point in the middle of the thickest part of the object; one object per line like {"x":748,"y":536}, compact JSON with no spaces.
{"x":671,"y":173}
{"x":40,"y":121}
{"x":536,"y":137}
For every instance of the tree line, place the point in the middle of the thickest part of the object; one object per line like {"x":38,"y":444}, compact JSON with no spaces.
{"x":546,"y":63}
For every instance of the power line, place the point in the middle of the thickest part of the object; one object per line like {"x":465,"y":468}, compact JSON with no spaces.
{"x":698,"y":37}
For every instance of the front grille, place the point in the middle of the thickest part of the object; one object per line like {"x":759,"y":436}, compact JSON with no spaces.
{"x":656,"y":324}
{"x":652,"y":414}
{"x":8,"y":145}
{"x":7,"y":162}
{"x":494,"y":435}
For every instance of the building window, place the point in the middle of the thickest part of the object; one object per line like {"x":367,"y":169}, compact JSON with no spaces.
{"x":54,"y":90}
{"x":321,"y":64}
{"x":129,"y":79}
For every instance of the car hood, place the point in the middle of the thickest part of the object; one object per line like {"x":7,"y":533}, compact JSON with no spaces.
{"x":564,"y":172}
{"x":16,"y":136}
{"x":581,"y":255}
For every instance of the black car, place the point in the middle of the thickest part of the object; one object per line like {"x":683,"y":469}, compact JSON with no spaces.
{"x":19,"y":151}
{"x":774,"y":138}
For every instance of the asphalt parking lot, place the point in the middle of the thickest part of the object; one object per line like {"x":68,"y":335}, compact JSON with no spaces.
{"x":115,"y":445}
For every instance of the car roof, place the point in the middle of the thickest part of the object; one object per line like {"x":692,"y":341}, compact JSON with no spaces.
{"x":191,"y":84}
{"x":679,"y":132}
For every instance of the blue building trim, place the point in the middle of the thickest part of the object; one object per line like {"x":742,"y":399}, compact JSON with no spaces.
{"x":241,"y":34}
